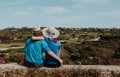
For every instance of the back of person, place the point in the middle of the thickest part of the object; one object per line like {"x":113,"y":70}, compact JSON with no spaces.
{"x":32,"y":55}
{"x":50,"y":36}
{"x":33,"y":52}
{"x":54,"y":46}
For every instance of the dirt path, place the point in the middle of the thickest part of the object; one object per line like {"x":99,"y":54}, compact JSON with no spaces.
{"x":1,"y":49}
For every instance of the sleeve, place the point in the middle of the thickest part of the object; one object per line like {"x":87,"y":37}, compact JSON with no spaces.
{"x":45,"y":38}
{"x":45,"y":46}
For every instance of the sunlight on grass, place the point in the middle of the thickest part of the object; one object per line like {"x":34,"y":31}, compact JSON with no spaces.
{"x":11,"y":45}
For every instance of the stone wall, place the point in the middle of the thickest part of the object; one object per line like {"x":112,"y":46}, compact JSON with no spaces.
{"x":15,"y":70}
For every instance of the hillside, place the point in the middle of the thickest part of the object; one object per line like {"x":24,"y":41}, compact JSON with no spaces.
{"x":79,"y":45}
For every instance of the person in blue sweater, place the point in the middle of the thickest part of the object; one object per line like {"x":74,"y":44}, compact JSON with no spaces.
{"x":32,"y":54}
{"x":50,"y":35}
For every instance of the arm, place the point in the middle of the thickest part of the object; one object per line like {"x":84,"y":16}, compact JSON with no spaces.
{"x":59,"y":51}
{"x":55,"y":57}
{"x":37,"y":38}
{"x":47,"y":49}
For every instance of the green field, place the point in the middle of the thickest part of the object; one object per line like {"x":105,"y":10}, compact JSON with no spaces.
{"x":11,"y":45}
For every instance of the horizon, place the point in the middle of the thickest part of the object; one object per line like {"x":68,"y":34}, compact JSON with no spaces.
{"x":61,"y":27}
{"x":60,"y":13}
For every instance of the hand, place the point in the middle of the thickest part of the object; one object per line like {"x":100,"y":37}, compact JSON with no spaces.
{"x":61,"y":62}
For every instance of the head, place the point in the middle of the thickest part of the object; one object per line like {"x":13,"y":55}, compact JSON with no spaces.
{"x":37,"y":31}
{"x":51,"y":32}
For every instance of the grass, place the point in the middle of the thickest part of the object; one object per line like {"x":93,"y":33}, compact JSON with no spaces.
{"x":4,"y":45}
{"x":11,"y":45}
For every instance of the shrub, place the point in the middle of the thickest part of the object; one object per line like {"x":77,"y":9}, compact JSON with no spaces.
{"x":117,"y":53}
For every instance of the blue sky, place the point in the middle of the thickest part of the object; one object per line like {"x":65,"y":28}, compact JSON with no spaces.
{"x":60,"y":13}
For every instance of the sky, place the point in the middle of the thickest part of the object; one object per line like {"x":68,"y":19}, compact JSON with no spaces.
{"x":60,"y":13}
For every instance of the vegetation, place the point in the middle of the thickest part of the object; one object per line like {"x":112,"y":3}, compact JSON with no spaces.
{"x":36,"y":72}
{"x":79,"y":45}
{"x":11,"y":45}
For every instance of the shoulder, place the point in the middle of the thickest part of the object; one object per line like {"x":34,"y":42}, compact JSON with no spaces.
{"x":43,"y":41}
{"x":45,"y":37}
{"x":57,"y":43}
{"x":28,"y":40}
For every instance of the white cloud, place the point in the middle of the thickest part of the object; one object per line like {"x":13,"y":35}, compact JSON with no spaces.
{"x":23,"y":13}
{"x":10,"y":3}
{"x":77,"y":5}
{"x":101,"y":2}
{"x":78,"y":18}
{"x":54,"y":10}
{"x":72,"y":19}
{"x":113,"y":14}
{"x":83,"y":3}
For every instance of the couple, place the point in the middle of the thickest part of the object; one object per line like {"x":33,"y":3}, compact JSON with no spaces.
{"x":32,"y":54}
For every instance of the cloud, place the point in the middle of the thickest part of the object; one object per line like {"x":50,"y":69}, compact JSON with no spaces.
{"x":113,"y":14}
{"x":10,"y":3}
{"x":54,"y":10}
{"x":23,"y":13}
{"x":77,"y":5}
{"x":101,"y":2}
{"x":76,"y":18}
{"x":83,"y":3}
{"x":71,"y":19}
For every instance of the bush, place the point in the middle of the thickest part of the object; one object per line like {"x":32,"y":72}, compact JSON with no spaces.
{"x":117,"y":53}
{"x":14,"y":46}
{"x":64,"y":73}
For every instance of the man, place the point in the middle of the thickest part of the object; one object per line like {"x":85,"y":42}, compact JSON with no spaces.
{"x":32,"y":55}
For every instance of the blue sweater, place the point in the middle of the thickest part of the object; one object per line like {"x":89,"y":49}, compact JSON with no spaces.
{"x":54,"y":46}
{"x":33,"y":51}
